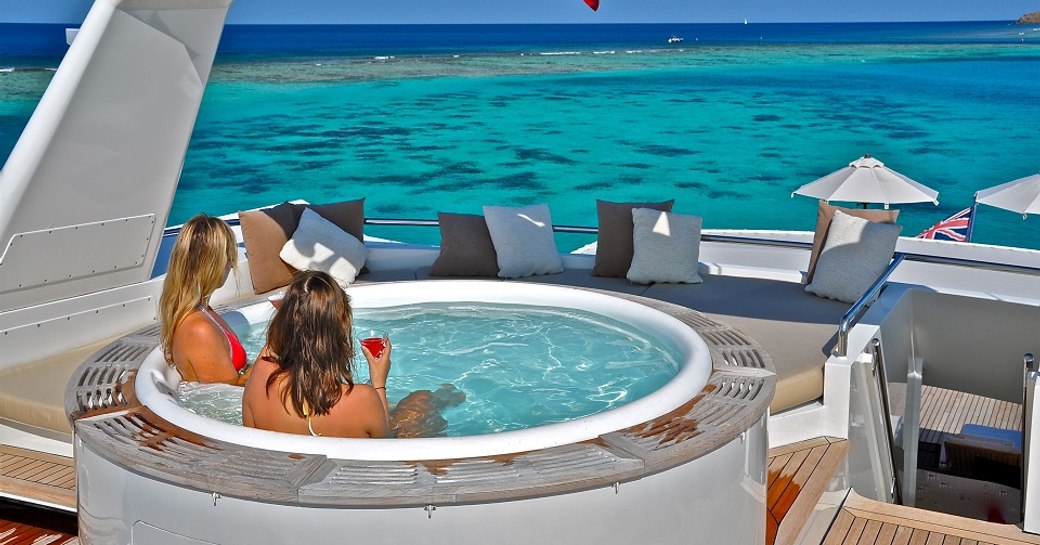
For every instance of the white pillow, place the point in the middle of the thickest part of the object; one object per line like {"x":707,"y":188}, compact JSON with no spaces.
{"x":319,"y":245}
{"x":857,"y":251}
{"x":523,"y":240}
{"x":666,"y":246}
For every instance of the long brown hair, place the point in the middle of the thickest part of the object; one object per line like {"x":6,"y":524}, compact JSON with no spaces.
{"x":310,"y":339}
{"x":198,"y":264}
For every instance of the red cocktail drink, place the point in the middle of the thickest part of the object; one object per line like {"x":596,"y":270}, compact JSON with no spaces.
{"x":374,"y":345}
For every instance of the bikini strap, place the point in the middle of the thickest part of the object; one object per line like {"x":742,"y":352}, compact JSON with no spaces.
{"x":310,"y":427}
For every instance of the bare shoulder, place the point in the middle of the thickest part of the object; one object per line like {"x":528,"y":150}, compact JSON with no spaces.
{"x":195,"y":327}
{"x":261,"y":371}
{"x":364,"y":392}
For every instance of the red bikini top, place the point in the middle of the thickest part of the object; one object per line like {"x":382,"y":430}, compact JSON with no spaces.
{"x":237,"y":352}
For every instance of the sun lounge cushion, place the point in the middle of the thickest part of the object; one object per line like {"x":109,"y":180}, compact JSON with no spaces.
{"x":772,"y":312}
{"x":666,"y":247}
{"x":614,"y":245}
{"x":266,"y":230}
{"x":825,"y":214}
{"x":466,"y":247}
{"x":318,"y":245}
{"x":856,"y":253}
{"x":523,"y":239}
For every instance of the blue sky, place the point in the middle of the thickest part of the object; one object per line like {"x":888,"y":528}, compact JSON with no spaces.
{"x":564,"y":11}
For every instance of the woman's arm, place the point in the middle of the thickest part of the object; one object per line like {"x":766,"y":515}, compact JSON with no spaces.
{"x":379,"y":370}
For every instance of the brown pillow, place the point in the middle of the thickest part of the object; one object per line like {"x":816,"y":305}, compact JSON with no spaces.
{"x":823,"y":223}
{"x":614,"y":247}
{"x":265,"y":231}
{"x":466,"y":247}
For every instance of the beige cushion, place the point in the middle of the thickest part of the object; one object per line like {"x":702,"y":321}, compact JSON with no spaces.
{"x":857,"y":251}
{"x":614,"y":244}
{"x":265,"y":231}
{"x":466,"y":247}
{"x":771,"y":312}
{"x":523,"y":239}
{"x":825,"y":214}
{"x":581,"y":278}
{"x":33,"y":394}
{"x":318,"y":245}
{"x":666,"y":247}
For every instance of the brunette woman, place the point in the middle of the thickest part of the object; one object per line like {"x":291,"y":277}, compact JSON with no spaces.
{"x":303,"y":381}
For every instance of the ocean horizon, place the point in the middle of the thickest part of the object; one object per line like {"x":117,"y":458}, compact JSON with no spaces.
{"x":425,"y":118}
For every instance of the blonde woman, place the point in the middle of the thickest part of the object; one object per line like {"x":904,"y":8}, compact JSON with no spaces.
{"x":195,"y":339}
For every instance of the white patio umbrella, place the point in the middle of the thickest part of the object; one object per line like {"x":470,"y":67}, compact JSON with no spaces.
{"x":867,"y":180}
{"x":1021,"y":195}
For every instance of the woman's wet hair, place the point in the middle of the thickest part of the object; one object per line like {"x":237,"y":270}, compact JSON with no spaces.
{"x":311,"y":340}
{"x":198,"y":266}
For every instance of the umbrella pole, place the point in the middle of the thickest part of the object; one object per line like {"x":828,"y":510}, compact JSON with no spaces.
{"x":971,"y":219}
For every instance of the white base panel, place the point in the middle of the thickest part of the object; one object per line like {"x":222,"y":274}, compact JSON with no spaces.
{"x":718,"y":498}
{"x":15,"y":437}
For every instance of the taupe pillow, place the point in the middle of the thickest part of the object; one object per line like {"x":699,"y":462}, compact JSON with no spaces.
{"x":466,"y":247}
{"x":825,"y":215}
{"x":347,"y":215}
{"x":265,"y":231}
{"x":614,"y":246}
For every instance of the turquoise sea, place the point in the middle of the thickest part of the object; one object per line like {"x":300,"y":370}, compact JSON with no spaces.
{"x":728,"y":123}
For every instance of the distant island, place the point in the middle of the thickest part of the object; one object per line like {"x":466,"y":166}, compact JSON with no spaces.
{"x":1029,"y":19}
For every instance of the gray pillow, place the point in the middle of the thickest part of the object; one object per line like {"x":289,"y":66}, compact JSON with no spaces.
{"x":614,"y":242}
{"x":666,"y":247}
{"x":466,"y":247}
{"x":857,"y":251}
{"x":523,"y":239}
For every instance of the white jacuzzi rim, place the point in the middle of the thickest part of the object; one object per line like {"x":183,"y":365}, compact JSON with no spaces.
{"x":156,"y":381}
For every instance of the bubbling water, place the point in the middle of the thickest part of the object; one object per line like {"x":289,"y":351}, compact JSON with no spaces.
{"x":519,"y":366}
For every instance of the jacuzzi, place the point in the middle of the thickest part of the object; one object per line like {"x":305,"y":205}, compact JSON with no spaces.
{"x":684,"y":462}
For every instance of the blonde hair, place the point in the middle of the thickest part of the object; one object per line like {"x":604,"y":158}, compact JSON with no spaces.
{"x":197,"y":268}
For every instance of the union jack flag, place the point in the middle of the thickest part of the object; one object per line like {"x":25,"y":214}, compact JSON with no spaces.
{"x":956,"y":228}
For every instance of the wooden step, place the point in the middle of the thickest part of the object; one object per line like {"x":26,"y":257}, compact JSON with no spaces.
{"x":864,"y":521}
{"x":24,"y":525}
{"x":799,"y":474}
{"x":38,"y":477}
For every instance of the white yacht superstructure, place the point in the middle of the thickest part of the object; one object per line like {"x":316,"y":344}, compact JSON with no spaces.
{"x":84,"y":199}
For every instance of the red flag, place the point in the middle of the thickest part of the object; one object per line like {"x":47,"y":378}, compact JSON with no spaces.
{"x":594,"y":4}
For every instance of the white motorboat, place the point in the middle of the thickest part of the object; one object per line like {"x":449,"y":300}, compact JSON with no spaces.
{"x":808,"y":417}
{"x":675,"y":40}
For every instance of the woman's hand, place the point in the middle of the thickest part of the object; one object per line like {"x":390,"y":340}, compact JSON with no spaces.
{"x":378,"y":368}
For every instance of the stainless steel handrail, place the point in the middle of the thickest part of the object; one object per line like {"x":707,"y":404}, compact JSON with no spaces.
{"x":853,"y":314}
{"x":1029,"y":371}
{"x":847,"y":321}
{"x":886,"y":410}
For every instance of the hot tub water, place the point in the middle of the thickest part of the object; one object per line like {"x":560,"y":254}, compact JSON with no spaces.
{"x":519,"y":366}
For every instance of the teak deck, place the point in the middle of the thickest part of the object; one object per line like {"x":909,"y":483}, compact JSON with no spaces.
{"x":798,"y":475}
{"x":945,"y":412}
{"x":17,"y":533}
{"x":39,"y":476}
{"x":867,"y":522}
